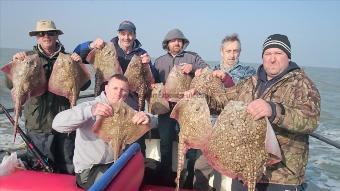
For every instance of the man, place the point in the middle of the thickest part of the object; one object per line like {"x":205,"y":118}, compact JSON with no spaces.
{"x":40,"y":111}
{"x":230,"y":64}
{"x":92,"y":155}
{"x":175,"y":44}
{"x":231,"y":71}
{"x":282,"y":92}
{"x":127,"y":46}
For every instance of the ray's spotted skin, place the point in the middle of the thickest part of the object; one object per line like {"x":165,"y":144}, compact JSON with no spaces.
{"x":105,"y":62}
{"x":194,"y":118}
{"x":176,"y":84}
{"x":237,"y":146}
{"x":28,"y":79}
{"x":67,"y":78}
{"x":140,"y":79}
{"x":119,"y":129}
{"x":211,"y":86}
{"x":158,"y":103}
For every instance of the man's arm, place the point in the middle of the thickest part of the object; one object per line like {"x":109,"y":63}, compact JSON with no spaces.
{"x":71,"y":119}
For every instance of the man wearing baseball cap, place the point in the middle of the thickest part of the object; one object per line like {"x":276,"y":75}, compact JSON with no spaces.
{"x":127,"y":46}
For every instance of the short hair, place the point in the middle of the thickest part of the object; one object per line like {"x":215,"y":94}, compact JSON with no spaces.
{"x":120,"y":77}
{"x":231,"y":38}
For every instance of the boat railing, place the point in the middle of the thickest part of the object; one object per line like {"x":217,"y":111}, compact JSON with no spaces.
{"x":314,"y":135}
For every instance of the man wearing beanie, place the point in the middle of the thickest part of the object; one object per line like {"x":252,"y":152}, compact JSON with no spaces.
{"x":174,"y":44}
{"x":282,"y":92}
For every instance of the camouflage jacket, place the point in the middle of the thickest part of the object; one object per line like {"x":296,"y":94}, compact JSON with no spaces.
{"x":299,"y":97}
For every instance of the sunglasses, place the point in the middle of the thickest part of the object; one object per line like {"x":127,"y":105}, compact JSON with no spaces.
{"x":48,"y":33}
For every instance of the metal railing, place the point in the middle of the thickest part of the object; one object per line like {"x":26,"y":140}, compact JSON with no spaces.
{"x":315,"y":135}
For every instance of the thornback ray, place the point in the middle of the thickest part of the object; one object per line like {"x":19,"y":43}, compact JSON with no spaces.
{"x":140,"y":79}
{"x":28,"y":79}
{"x":106,"y":64}
{"x":119,"y":129}
{"x":176,"y":84}
{"x":67,"y":78}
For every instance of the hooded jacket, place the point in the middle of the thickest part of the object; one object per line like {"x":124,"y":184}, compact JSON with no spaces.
{"x":165,"y":63}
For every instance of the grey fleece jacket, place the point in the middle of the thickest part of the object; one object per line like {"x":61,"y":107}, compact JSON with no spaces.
{"x":89,"y":149}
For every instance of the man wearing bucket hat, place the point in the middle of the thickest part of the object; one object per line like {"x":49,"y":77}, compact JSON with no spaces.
{"x":282,"y":92}
{"x":174,"y":44}
{"x":40,"y":111}
{"x":127,"y":46}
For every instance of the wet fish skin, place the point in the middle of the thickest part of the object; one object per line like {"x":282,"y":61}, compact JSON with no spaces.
{"x":194,"y":118}
{"x":28,"y":79}
{"x":67,"y":78}
{"x":106,"y":64}
{"x":212,"y":87}
{"x":158,"y":103}
{"x":236,"y":146}
{"x":140,"y":79}
{"x":119,"y":128}
{"x":176,"y":84}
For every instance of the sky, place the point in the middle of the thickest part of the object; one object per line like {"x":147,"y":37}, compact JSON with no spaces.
{"x":313,"y":27}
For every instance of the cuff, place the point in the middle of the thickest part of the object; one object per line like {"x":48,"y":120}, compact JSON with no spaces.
{"x":228,"y":81}
{"x":273,"y":106}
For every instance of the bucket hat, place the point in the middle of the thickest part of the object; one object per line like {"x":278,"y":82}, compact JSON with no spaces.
{"x":45,"y":25}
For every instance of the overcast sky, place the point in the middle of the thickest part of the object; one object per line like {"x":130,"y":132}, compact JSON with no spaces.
{"x":313,"y":27}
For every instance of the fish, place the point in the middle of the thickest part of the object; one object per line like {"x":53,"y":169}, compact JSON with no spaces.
{"x":236,"y":145}
{"x":106,"y":64}
{"x":67,"y":77}
{"x":212,"y":87}
{"x":176,"y":84}
{"x":158,"y":103}
{"x":119,"y":129}
{"x":140,"y":78}
{"x":29,"y":80}
{"x":193,"y":116}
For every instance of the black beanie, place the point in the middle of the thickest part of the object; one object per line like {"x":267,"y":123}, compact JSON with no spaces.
{"x":277,"y":41}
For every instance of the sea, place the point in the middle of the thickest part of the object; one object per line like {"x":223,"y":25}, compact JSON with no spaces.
{"x":323,"y":167}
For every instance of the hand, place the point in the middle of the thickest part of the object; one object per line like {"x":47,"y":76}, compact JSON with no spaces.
{"x":141,"y":118}
{"x":259,"y":108}
{"x":219,"y":74}
{"x":75,"y":57}
{"x":186,"y":68}
{"x":189,"y":93}
{"x":198,"y":72}
{"x":101,"y":109}
{"x":145,"y":58}
{"x":98,"y":43}
{"x":19,"y":56}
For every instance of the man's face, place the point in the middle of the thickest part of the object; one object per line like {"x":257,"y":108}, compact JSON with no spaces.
{"x":230,"y":53}
{"x":126,"y":39}
{"x":275,"y":61}
{"x":175,"y":46}
{"x":116,"y":90}
{"x":47,"y":39}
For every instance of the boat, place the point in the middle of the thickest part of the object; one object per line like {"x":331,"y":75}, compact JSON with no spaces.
{"x":126,"y":174}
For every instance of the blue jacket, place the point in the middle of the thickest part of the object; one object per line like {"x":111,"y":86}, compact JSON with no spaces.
{"x":238,"y":72}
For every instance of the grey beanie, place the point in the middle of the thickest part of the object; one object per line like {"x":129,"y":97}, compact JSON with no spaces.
{"x":174,"y":34}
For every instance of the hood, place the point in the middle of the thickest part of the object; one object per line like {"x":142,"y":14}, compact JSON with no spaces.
{"x":174,"y":34}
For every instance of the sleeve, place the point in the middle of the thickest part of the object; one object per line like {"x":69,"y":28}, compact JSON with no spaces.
{"x":301,"y":111}
{"x":71,"y":119}
{"x":153,"y":120}
{"x":199,"y":63}
{"x":83,"y":50}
